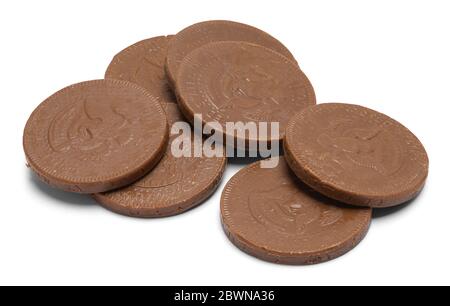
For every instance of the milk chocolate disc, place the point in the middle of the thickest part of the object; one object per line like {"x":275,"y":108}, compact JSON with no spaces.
{"x":96,"y":136}
{"x":174,"y":186}
{"x":203,"y":33}
{"x":143,"y":64}
{"x":356,"y":155}
{"x":269,"y":214}
{"x":242,"y":82}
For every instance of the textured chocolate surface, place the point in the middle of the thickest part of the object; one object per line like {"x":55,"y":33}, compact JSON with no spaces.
{"x":269,"y":214}
{"x":96,"y":136}
{"x":143,"y":64}
{"x":356,"y":155}
{"x":203,"y":33}
{"x":242,"y":82}
{"x":174,"y":186}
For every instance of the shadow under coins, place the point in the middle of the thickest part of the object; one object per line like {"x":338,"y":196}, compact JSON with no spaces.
{"x":385,"y":212}
{"x":248,"y":160}
{"x":59,"y":195}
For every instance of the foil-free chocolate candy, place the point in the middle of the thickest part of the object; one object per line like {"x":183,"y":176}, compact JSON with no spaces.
{"x":269,"y":214}
{"x":206,"y":32}
{"x":176,"y":185}
{"x":96,"y":136}
{"x":356,"y":155}
{"x":242,"y":82}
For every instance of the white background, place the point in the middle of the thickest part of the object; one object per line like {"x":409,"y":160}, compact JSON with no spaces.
{"x":392,"y":56}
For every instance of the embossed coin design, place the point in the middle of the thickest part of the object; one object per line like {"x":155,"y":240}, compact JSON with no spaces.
{"x":96,"y":136}
{"x":270,"y":214}
{"x":174,"y":186}
{"x":356,"y":155}
{"x":203,"y":33}
{"x":143,"y":64}
{"x":242,"y":82}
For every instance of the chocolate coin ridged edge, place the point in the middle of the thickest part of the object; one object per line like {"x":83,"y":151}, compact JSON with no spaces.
{"x":309,"y":177}
{"x":120,"y":178}
{"x":161,"y":212}
{"x":305,"y":258}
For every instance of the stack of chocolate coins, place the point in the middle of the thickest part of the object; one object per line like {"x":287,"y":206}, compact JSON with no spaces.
{"x":152,"y":140}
